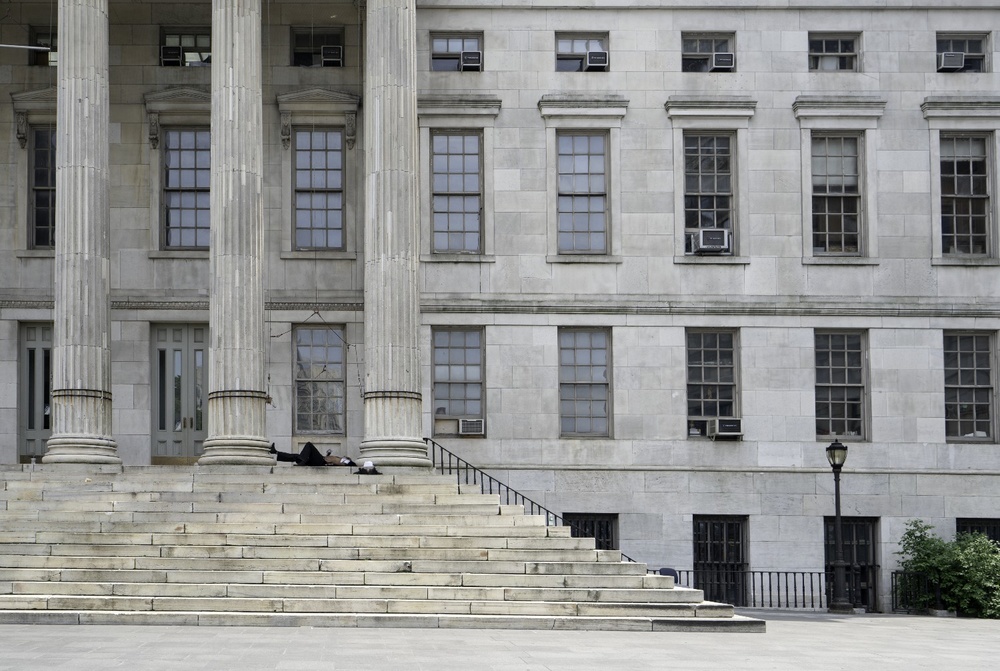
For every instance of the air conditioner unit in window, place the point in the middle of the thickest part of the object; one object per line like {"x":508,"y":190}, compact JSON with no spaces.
{"x":471,"y":427}
{"x":723,"y":62}
{"x":331,"y":56}
{"x":951,"y":61}
{"x":171,"y":56}
{"x":710,"y":240}
{"x":471,"y":60}
{"x":725,"y":427}
{"x":596,"y":61}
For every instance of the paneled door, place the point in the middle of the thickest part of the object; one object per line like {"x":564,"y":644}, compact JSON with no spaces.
{"x":180,"y":370}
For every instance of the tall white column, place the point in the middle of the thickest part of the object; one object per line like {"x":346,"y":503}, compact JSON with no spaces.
{"x":392,"y":310}
{"x":237,"y":397}
{"x":81,"y":350}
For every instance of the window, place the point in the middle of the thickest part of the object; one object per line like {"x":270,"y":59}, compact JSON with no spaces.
{"x":458,"y":373}
{"x":836,"y":199}
{"x":44,"y":37}
{"x":35,"y":395}
{"x":447,"y":52}
{"x":983,"y":525}
{"x":42,"y":222}
{"x":308,"y":43}
{"x":582,"y":209}
{"x":186,"y":197}
{"x":840,"y":385}
{"x":456,"y":179}
{"x":319,"y":380}
{"x":965,"y":194}
{"x":961,"y":53}
{"x":833,"y":53}
{"x":968,"y":386}
{"x":584,"y":382}
{"x":708,"y":185}
{"x":602,"y":527}
{"x":577,"y":53}
{"x":186,"y":47}
{"x":711,"y":378}
{"x":319,"y":189}
{"x":707,"y":52}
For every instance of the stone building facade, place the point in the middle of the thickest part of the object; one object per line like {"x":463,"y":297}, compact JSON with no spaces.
{"x":576,"y":238}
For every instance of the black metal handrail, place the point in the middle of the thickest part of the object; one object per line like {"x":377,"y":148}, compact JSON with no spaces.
{"x":448,"y":463}
{"x":760,"y":589}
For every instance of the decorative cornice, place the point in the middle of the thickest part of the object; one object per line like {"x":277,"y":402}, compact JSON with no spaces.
{"x":583,"y":104}
{"x":961,"y":106}
{"x":838,"y":105}
{"x":458,"y":105}
{"x":710,"y":105}
{"x":318,"y":102}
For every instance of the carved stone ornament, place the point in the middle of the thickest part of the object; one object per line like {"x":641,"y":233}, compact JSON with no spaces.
{"x":22,"y":128}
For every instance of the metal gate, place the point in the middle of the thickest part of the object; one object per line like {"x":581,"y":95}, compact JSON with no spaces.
{"x":860,"y":535}
{"x":720,"y":562}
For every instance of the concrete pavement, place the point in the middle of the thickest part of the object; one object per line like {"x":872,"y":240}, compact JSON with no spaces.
{"x":794,"y":641}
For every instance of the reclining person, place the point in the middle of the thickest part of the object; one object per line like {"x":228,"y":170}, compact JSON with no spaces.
{"x":310,"y":456}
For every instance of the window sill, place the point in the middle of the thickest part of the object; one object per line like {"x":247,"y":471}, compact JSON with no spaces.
{"x":582,"y":258}
{"x":315,"y":254}
{"x":197,"y":254}
{"x":457,"y":258}
{"x":36,"y":254}
{"x":839,"y":261}
{"x":704,"y":259}
{"x":965,"y":261}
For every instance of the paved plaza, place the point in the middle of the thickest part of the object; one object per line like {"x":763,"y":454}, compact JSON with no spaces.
{"x":800,"y":642}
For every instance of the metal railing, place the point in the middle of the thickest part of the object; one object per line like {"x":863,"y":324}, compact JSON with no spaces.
{"x":914,"y":592}
{"x":760,"y":589}
{"x":448,"y":463}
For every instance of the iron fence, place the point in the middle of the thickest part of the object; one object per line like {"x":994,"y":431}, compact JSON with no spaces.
{"x":914,"y":592}
{"x":760,"y":589}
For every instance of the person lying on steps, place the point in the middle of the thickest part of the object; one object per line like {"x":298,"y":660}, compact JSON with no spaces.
{"x":310,"y":456}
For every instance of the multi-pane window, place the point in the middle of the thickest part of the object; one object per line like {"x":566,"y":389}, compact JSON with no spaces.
{"x":189,"y":46}
{"x":42,"y":224}
{"x":707,"y":53}
{"x":711,"y":378}
{"x":186,"y":196}
{"x":832,"y":53}
{"x":447,"y":50}
{"x":458,"y":377}
{"x":577,"y":53}
{"x":968,"y":385}
{"x":44,"y":37}
{"x":319,"y":379}
{"x":319,"y":189}
{"x":708,"y":184}
{"x":307,"y":47}
{"x":836,"y":194}
{"x":840,"y":384}
{"x":965,"y":194}
{"x":971,"y":47}
{"x":602,"y":527}
{"x":456,"y":182}
{"x":990,"y":527}
{"x":584,"y":382}
{"x":583,"y":193}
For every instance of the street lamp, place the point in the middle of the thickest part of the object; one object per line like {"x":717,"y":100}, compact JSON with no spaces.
{"x":836,"y":454}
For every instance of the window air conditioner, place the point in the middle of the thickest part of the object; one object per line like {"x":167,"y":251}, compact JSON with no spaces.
{"x":709,"y":240}
{"x":471,"y":60}
{"x":471,"y":427}
{"x":723,"y":62}
{"x":331,"y":56}
{"x":951,"y":61}
{"x":596,"y":61}
{"x":725,"y":427}
{"x":171,"y":56}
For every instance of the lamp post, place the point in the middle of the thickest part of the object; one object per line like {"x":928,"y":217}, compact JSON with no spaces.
{"x":836,"y":454}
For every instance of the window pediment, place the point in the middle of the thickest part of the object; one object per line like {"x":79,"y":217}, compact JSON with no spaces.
{"x":458,"y":105}
{"x":318,"y":105}
{"x":176,"y":106}
{"x":557,"y":105}
{"x":33,"y":107}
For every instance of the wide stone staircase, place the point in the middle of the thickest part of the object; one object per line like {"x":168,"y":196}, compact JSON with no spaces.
{"x":291,"y":546}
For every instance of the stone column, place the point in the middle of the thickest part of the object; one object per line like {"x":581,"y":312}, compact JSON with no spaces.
{"x":237,"y":397}
{"x":81,"y":348}
{"x":392,"y":310}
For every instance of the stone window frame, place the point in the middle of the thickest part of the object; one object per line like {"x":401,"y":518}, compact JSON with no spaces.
{"x":442,"y":423}
{"x":691,"y":231}
{"x":587,"y":113}
{"x":469,"y":113}
{"x":608,"y":384}
{"x":822,"y":138}
{"x":436,"y":57}
{"x":864,"y":435}
{"x":697,"y":425}
{"x":603,"y":40}
{"x":461,"y":193}
{"x":958,"y":115}
{"x":723,"y":115}
{"x":840,"y":37}
{"x":983,"y":56}
{"x":692,"y":58}
{"x":847,"y":115}
{"x":568,"y":147}
{"x":31,"y":109}
{"x":991,"y":368}
{"x":322,"y":108}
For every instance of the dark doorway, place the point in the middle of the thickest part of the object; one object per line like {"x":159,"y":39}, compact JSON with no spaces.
{"x":860,"y":538}
{"x":720,"y":561}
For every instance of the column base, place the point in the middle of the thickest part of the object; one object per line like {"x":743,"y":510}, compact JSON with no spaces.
{"x":236,"y":450}
{"x":68,"y":449}
{"x":399,"y":452}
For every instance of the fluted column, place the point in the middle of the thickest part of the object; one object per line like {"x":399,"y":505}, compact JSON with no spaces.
{"x":392,"y":310}
{"x":81,"y":350}
{"x":237,"y":397}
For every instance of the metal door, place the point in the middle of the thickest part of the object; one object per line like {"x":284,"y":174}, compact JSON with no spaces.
{"x":720,"y":562}
{"x":860,"y":536}
{"x":179,"y":358}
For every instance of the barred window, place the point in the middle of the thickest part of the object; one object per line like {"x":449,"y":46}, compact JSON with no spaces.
{"x":319,"y":379}
{"x":965,"y":195}
{"x":840,"y":384}
{"x":584,"y":382}
{"x":457,"y":201}
{"x":602,"y":527}
{"x":42,"y":225}
{"x":583,"y":194}
{"x":187,"y":164}
{"x":990,"y":527}
{"x":836,"y":200}
{"x":968,"y":385}
{"x":708,"y":184}
{"x":458,"y":374}
{"x":711,"y":378}
{"x":319,"y":189}
{"x":831,"y":53}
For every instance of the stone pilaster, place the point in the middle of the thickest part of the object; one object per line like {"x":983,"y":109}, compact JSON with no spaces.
{"x":81,"y":348}
{"x":237,"y":397}
{"x":392,"y":310}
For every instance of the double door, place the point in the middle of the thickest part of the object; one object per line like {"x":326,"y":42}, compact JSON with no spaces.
{"x":180,"y":369}
{"x":860,"y":536}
